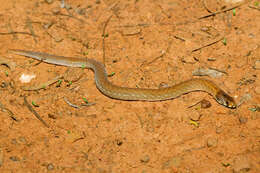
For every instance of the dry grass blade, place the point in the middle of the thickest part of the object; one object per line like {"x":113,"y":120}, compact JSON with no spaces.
{"x":35,"y":113}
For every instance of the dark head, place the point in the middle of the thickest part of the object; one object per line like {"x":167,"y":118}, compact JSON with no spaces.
{"x":225,"y":100}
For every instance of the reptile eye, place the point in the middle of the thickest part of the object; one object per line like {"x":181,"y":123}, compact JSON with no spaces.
{"x":227,"y":103}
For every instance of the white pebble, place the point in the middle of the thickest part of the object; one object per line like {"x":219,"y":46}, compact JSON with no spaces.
{"x":26,"y":78}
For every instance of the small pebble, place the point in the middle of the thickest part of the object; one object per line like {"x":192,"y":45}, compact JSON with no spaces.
{"x":4,"y":85}
{"x":14,"y":141}
{"x":205,"y":104}
{"x":173,"y":162}
{"x":195,"y":116}
{"x":48,"y":25}
{"x":212,"y":142}
{"x":14,"y":158}
{"x":52,"y":116}
{"x":163,"y":85}
{"x":242,"y":120}
{"x":145,"y":159}
{"x":73,"y":74}
{"x":22,"y":140}
{"x":219,"y":130}
{"x":80,"y":11}
{"x":257,"y":65}
{"x":50,"y":167}
{"x":241,"y":164}
{"x":56,"y":10}
{"x":62,"y":3}
{"x":119,"y":142}
{"x":68,"y":6}
{"x":242,"y":134}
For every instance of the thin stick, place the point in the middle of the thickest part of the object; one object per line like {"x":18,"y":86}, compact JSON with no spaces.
{"x":42,"y":85}
{"x":206,"y":7}
{"x":155,"y":59}
{"x":35,"y":113}
{"x":194,"y":50}
{"x":30,"y":27}
{"x":11,"y":114}
{"x":257,"y":8}
{"x":221,"y":11}
{"x":8,"y":63}
{"x":103,"y":38}
{"x":16,"y":32}
{"x":71,"y":16}
{"x":69,"y":103}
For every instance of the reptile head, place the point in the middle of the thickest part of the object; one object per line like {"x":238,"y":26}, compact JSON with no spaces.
{"x":225,"y":100}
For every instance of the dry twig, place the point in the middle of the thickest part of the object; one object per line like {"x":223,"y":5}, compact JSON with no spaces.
{"x":103,"y":37}
{"x":42,"y":85}
{"x":71,"y":104}
{"x":221,"y":11}
{"x":34,"y":112}
{"x":209,"y":44}
{"x":4,"y":109}
{"x":17,"y":32}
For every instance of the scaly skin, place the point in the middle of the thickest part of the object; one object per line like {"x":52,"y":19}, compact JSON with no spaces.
{"x":124,"y":93}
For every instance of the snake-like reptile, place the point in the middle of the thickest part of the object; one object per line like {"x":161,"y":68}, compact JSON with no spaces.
{"x":124,"y":93}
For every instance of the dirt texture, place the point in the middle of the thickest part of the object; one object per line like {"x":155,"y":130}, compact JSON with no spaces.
{"x":145,"y":44}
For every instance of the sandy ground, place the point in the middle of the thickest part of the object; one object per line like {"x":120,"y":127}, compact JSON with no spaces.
{"x":143,"y":43}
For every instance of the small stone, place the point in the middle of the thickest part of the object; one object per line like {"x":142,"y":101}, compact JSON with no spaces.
{"x":52,"y":116}
{"x":205,"y":104}
{"x":14,"y":158}
{"x":50,"y":167}
{"x":173,"y":162}
{"x":145,"y":159}
{"x":219,"y":130}
{"x":241,"y":164}
{"x":56,"y":10}
{"x":73,"y":74}
{"x":163,"y":85}
{"x":257,"y":65}
{"x":48,"y":25}
{"x":119,"y":142}
{"x":80,"y":11}
{"x":22,"y":140}
{"x":242,"y":134}
{"x":212,"y":142}
{"x":14,"y":141}
{"x":4,"y":85}
{"x":195,"y":116}
{"x":188,"y":60}
{"x":242,"y":120}
{"x":68,"y":6}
